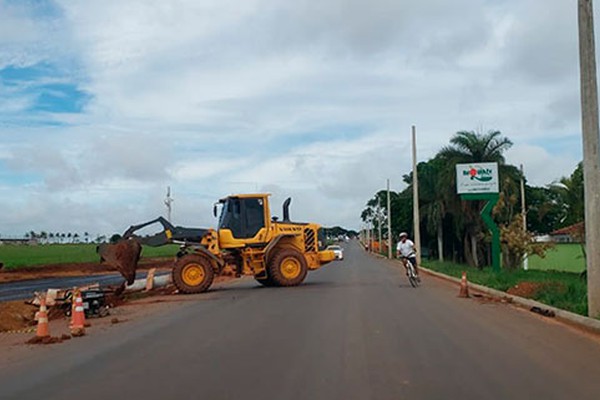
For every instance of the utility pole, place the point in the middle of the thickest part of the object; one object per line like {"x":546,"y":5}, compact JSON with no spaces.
{"x":591,"y":157}
{"x":416,"y":218}
{"x":389,"y":221}
{"x":368,"y":237}
{"x":371,"y":236}
{"x":380,"y":243}
{"x":168,"y":201}
{"x":524,"y":214}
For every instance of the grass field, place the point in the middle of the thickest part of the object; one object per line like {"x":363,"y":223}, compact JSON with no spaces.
{"x":563,"y":257}
{"x":566,"y":290}
{"x":15,"y":256}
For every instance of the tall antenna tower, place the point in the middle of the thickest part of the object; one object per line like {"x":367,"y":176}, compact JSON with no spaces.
{"x":168,"y":201}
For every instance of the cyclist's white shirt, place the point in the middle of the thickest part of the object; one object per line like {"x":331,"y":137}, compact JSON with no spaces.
{"x":406,"y":249}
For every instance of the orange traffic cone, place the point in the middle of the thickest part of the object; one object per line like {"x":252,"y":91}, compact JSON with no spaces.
{"x":77,"y":315}
{"x":464,"y":286}
{"x":42,"y":325}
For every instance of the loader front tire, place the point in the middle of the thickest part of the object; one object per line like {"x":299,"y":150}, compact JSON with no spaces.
{"x":193,"y":274}
{"x":287,"y":267}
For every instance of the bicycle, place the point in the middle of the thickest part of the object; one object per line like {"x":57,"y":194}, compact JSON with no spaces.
{"x":413,"y":278}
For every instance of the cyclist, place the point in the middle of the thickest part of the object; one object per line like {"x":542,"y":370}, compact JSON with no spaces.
{"x":406,"y":250}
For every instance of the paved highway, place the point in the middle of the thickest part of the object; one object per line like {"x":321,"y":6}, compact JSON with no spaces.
{"x":355,"y":330}
{"x":26,"y":289}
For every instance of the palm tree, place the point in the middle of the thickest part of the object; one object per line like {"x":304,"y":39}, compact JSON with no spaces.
{"x":570,"y":192}
{"x":432,"y":200}
{"x":470,"y":147}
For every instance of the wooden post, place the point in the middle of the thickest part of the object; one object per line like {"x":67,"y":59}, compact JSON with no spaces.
{"x":389,"y":220}
{"x":524,"y":214}
{"x":416,"y":218}
{"x":591,"y":157}
{"x":379,"y":246}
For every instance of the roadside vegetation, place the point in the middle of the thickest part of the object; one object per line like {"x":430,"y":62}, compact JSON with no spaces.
{"x":452,"y":229}
{"x":17,"y":256}
{"x":565,"y":290}
{"x":455,"y":236}
{"x":563,"y":257}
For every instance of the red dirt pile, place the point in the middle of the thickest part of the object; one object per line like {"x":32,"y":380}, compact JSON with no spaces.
{"x":531,"y":289}
{"x":44,"y":340}
{"x":15,"y":315}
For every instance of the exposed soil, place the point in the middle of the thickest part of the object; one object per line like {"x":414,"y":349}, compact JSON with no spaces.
{"x":15,"y":315}
{"x":18,"y":315}
{"x":531,"y":289}
{"x":74,"y":269}
{"x":484,"y":298}
{"x":45,"y":340}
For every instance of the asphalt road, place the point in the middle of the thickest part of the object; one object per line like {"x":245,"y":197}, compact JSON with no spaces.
{"x":26,"y":289}
{"x":355,"y":330}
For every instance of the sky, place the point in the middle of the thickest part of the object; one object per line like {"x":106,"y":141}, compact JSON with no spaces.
{"x":103,"y":104}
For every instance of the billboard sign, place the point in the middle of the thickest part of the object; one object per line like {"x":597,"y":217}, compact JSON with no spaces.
{"x":477,"y":178}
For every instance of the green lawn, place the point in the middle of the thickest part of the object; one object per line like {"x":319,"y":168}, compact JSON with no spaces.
{"x":14,"y":256}
{"x":566,"y":290}
{"x":564,"y":257}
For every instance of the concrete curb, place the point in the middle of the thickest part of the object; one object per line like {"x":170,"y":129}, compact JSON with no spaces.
{"x":566,"y":316}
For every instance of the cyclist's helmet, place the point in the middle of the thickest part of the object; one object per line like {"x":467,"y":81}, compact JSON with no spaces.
{"x":403,"y":234}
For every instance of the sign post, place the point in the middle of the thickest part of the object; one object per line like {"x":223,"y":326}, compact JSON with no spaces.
{"x":479,"y":181}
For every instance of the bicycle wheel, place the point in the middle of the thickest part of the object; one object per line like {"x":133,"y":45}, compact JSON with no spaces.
{"x":412,"y":276}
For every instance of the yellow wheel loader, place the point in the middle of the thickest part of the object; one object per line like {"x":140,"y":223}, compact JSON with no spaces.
{"x":248,"y":239}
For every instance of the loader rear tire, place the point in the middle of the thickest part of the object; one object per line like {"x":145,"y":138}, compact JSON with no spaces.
{"x":193,"y":274}
{"x":287,"y":267}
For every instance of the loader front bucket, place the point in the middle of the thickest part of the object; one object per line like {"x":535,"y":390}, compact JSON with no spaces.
{"x":123,"y":256}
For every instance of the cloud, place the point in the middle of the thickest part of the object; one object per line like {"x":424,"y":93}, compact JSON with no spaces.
{"x":307,"y":99}
{"x":542,"y":41}
{"x":542,"y":167}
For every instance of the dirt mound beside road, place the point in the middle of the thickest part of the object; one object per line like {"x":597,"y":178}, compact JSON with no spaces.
{"x":16,"y":315}
{"x":74,"y":269}
{"x":531,"y":289}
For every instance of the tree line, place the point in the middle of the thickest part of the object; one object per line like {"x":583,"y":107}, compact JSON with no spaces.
{"x":63,"y":237}
{"x":453,"y":229}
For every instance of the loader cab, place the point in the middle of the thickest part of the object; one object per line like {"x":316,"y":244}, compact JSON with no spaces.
{"x":244,"y":219}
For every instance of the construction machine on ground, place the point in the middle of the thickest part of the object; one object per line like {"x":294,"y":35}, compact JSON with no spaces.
{"x":247,"y":239}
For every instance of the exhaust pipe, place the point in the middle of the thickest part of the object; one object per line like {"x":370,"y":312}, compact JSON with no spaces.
{"x":286,"y":209}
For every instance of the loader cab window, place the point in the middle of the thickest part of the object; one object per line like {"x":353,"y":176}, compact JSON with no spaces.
{"x":231,"y":216}
{"x":244,"y":217}
{"x":255,"y":216}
